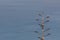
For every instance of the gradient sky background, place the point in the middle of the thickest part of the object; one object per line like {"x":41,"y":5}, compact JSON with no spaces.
{"x":17,"y":19}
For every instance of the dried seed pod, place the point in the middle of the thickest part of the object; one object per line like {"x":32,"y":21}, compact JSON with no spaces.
{"x":48,"y":34}
{"x":47,"y":20}
{"x":47,"y":29}
{"x":37,"y":19}
{"x":39,"y":24}
{"x":36,"y":31}
{"x":48,"y":17}
{"x":39,"y":14}
{"x":39,"y":37}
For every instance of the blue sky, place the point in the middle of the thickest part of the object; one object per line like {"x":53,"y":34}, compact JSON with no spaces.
{"x":17,"y":19}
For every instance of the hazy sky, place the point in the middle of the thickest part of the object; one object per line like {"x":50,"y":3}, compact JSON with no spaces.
{"x":17,"y":19}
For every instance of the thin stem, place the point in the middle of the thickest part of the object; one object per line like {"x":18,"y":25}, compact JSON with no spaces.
{"x":42,"y":28}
